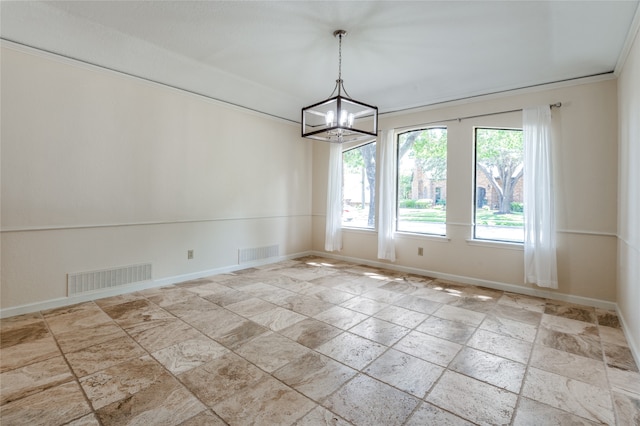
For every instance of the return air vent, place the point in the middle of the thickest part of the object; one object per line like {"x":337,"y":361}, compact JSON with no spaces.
{"x":83,"y":282}
{"x":258,"y":253}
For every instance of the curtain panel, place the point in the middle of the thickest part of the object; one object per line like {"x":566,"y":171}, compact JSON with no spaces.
{"x":540,"y":265}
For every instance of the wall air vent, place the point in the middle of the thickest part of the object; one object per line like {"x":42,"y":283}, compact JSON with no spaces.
{"x":257,"y":253}
{"x":83,"y":282}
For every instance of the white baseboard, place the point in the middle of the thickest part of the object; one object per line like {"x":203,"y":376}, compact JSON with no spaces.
{"x":634,"y":345}
{"x":160,"y":282}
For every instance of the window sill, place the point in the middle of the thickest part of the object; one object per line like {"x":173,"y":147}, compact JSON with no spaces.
{"x":355,"y":229}
{"x":497,"y":244}
{"x":422,"y":237}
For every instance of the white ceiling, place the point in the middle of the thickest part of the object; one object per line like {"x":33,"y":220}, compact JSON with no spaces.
{"x":279,"y":56}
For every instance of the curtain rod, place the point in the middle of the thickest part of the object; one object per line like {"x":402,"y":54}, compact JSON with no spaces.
{"x":458,"y":119}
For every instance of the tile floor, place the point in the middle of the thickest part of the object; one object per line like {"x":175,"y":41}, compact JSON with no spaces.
{"x":314,"y":341}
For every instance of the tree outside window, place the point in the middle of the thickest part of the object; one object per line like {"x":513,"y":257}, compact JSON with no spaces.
{"x":359,"y":186}
{"x":422,"y":181}
{"x":498,"y":184}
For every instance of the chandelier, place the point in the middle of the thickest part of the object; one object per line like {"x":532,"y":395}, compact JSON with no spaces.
{"x":339,"y":118}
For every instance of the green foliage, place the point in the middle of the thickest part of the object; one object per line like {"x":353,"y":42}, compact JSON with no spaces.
{"x":352,"y":160}
{"x":407,"y":204}
{"x":517,"y":207}
{"x":429,"y":149}
{"x":424,"y":203}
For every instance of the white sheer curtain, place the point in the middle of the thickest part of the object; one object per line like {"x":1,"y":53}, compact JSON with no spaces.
{"x":333,"y":234}
{"x":386,"y":198}
{"x":540,"y":266}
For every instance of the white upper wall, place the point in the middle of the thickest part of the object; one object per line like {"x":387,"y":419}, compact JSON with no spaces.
{"x":102,"y":170}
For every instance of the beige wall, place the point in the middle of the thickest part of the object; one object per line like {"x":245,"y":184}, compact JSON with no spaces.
{"x":586,"y":185}
{"x":102,"y":170}
{"x":629,"y":196}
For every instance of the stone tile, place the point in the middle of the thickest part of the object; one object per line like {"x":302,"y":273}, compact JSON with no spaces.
{"x":117,"y":300}
{"x":619,"y":357}
{"x":517,"y":314}
{"x":80,"y":338}
{"x":473,"y":400}
{"x":88,"y":420}
{"x":205,"y":418}
{"x":340,"y":317}
{"x":354,"y":403}
{"x":511,"y":328}
{"x":320,"y":416}
{"x":122,"y":380}
{"x":382,"y":295}
{"x":573,"y":396}
{"x":608,"y":318}
{"x":136,"y":312}
{"x":466,"y":316}
{"x":76,"y":317}
{"x":572,"y":366}
{"x":103,"y":355}
{"x":230,"y":373}
{"x":332,"y":296}
{"x":352,"y":350}
{"x":164,"y":402}
{"x":227,"y":297}
{"x":53,"y":406}
{"x":310,"y":332}
{"x":195,"y":311}
{"x":167,"y":296}
{"x":534,"y":413}
{"x":497,"y":344}
{"x":529,"y":303}
{"x":189,"y":354}
{"x":418,"y":304}
{"x":24,"y":341}
{"x":454,"y":331}
{"x":363,"y":305}
{"x":624,"y":381}
{"x":235,"y":334}
{"x":315,"y":375}
{"x":486,"y":367}
{"x":400,"y":286}
{"x":571,"y":311}
{"x":405,"y":372}
{"x":305,"y":305}
{"x":163,"y":334}
{"x":612,"y":335}
{"x":250,"y":307}
{"x":475,"y":303}
{"x":428,"y":348}
{"x":380,"y":331}
{"x":271,"y":351}
{"x":268,"y":402}
{"x":278,"y":318}
{"x":578,"y":344}
{"x":428,"y":414}
{"x":627,"y":409}
{"x":437,"y":295}
{"x":33,"y":378}
{"x":569,"y":326}
{"x":401,"y":316}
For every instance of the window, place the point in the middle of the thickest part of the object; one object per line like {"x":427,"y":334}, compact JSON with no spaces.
{"x":422,"y":181}
{"x":359,"y":186}
{"x":498,"y":185}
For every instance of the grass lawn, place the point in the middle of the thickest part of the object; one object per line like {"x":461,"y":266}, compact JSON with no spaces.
{"x":483,"y":217}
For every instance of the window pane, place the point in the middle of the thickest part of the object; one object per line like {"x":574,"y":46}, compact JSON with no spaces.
{"x":422,"y":181}
{"x":359,"y":186}
{"x":498,"y":195}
